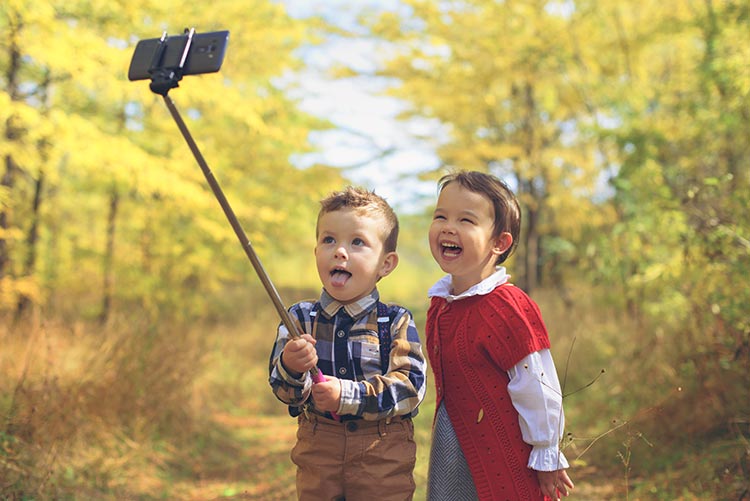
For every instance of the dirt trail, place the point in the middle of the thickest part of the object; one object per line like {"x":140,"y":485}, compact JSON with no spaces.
{"x":256,"y":465}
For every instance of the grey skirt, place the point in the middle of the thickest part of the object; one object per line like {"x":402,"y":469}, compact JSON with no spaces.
{"x":449,"y":478}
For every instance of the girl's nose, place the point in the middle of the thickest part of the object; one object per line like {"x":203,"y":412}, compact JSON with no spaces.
{"x":340,"y":253}
{"x":448,"y":228}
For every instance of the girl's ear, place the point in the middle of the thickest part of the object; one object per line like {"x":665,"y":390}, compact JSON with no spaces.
{"x":390,"y":261}
{"x":502,"y":243}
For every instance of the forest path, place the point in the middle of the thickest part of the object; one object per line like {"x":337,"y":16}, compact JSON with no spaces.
{"x":255,"y":465}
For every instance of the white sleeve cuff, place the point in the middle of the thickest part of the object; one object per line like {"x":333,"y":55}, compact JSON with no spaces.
{"x":547,"y":459}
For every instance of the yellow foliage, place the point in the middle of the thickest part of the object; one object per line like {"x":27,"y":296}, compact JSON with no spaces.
{"x":12,"y":289}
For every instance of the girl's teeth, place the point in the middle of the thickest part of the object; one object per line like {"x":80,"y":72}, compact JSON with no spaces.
{"x":451,"y":250}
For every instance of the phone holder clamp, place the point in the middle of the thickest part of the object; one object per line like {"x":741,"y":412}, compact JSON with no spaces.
{"x":164,"y":79}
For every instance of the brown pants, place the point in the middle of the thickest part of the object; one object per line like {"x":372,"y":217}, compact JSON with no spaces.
{"x":354,"y":460}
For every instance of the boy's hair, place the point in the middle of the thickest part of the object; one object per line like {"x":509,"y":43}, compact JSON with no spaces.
{"x":367,"y":203}
{"x":505,"y":203}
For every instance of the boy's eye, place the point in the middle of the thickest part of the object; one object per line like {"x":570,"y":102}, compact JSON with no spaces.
{"x":467,"y":220}
{"x":327,"y":240}
{"x":437,"y":216}
{"x":358,"y":241}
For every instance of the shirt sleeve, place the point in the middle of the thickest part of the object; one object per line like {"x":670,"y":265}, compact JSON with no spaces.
{"x":288,"y":389}
{"x":401,"y":389}
{"x":535,"y":391}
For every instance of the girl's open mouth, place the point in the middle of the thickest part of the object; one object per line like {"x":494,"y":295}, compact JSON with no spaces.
{"x":450,"y":250}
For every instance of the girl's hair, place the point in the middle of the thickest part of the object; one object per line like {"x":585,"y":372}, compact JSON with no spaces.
{"x":366,"y":203}
{"x":505,"y":203}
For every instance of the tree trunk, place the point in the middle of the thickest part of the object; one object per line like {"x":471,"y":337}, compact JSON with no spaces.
{"x":7,"y":183}
{"x":531,"y":256}
{"x":109,"y":257}
{"x":12,"y":133}
{"x":24,"y":302}
{"x":29,"y":268}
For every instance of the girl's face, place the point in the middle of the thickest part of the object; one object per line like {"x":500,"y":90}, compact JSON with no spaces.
{"x":350,"y":255}
{"x":461,"y":236}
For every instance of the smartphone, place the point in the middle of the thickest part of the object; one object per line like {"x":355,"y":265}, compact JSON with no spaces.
{"x":206,"y":54}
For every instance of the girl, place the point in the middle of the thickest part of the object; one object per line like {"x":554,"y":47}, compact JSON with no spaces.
{"x":499,"y":412}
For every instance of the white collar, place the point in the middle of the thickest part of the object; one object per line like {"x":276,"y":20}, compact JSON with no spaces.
{"x":442,"y":287}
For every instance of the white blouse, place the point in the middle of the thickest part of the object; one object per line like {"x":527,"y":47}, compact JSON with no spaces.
{"x":534,"y":387}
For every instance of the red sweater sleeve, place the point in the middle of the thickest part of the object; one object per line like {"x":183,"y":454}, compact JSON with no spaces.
{"x":513,"y":324}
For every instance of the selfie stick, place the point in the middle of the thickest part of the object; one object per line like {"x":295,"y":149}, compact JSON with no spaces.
{"x":162,"y":81}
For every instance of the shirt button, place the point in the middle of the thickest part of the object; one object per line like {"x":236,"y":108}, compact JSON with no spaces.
{"x":342,"y":371}
{"x":351,"y":426}
{"x":341,"y":333}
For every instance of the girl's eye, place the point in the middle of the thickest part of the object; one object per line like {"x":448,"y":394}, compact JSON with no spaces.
{"x":327,"y":240}
{"x":467,"y":220}
{"x":437,"y":216}
{"x":358,"y":241}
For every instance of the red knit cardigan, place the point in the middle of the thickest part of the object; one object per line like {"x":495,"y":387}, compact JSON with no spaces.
{"x":472,"y":343}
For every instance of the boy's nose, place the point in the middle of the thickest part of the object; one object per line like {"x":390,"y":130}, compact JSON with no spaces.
{"x":340,"y":253}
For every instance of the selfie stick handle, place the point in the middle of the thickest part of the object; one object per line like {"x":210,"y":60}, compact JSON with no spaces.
{"x":286,"y":319}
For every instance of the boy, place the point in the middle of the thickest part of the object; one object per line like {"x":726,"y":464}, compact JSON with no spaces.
{"x":355,"y":438}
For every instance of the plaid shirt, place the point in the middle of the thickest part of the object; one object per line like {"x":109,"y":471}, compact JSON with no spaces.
{"x":348,"y":348}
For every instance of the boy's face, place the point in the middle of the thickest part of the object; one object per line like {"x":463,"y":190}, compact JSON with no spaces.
{"x":461,"y":236}
{"x":349,"y":254}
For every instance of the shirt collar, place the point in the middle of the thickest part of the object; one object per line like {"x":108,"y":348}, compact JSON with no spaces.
{"x":331,"y":306}
{"x":442,"y":287}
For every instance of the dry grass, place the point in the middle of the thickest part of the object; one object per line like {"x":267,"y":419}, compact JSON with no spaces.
{"x":83,"y":409}
{"x":135,"y":412}
{"x":659,"y":417}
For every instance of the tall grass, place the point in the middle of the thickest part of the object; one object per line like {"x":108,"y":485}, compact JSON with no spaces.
{"x":87,"y":410}
{"x":656,"y":414}
{"x":137,"y":411}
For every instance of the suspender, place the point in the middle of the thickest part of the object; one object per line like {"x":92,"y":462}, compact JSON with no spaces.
{"x":384,"y":335}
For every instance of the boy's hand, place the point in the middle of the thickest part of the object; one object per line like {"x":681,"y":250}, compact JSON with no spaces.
{"x":554,"y":483}
{"x":299,"y":355}
{"x":327,"y":395}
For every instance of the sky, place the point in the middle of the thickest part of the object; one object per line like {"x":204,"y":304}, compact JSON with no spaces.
{"x":365,"y":120}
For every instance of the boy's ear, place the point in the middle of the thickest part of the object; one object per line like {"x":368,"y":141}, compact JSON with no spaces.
{"x":389,"y":264}
{"x":502,"y":243}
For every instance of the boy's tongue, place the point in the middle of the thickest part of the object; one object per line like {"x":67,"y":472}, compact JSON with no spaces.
{"x":339,"y":277}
